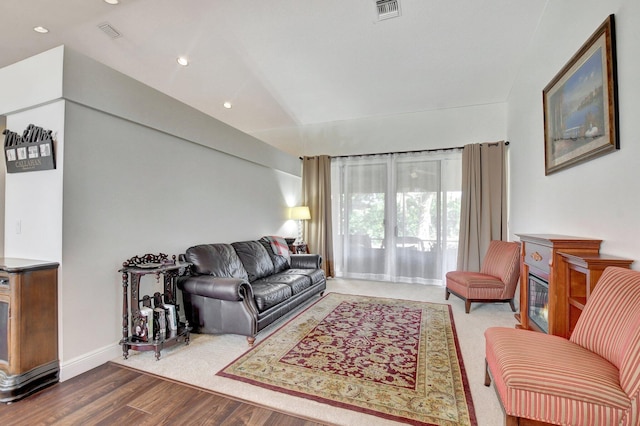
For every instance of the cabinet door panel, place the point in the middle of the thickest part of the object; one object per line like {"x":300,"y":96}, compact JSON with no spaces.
{"x":4,"y":330}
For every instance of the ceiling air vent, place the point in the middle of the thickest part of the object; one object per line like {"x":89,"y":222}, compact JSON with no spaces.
{"x":109,"y":30}
{"x":388,"y":9}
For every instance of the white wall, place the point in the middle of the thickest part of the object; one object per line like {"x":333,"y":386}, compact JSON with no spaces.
{"x":90,"y":83}
{"x":32,"y":82}
{"x":131,"y":190}
{"x":42,"y":72}
{"x":443,"y":128}
{"x":3,"y":168}
{"x":597,"y":199}
{"x":33,"y":216}
{"x":139,"y":173}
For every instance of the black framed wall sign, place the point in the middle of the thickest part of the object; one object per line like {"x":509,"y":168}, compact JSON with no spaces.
{"x":31,"y":151}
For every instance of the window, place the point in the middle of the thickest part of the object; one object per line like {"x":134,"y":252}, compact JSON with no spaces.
{"x":396,"y":216}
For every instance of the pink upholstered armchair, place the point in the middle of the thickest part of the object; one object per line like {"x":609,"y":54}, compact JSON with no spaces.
{"x":496,"y":281}
{"x":591,"y":379}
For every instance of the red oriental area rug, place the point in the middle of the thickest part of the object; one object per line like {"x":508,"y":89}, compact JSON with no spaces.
{"x":396,"y":359}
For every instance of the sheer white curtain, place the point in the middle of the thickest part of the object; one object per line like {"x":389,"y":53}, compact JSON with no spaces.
{"x":396,"y":217}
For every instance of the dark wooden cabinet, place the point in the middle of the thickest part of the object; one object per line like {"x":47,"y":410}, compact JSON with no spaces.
{"x":28,"y":327}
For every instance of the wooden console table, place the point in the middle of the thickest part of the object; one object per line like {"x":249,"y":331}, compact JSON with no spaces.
{"x":541,"y":260}
{"x":300,"y":248}
{"x":581,"y":273}
{"x":571,"y":266}
{"x":133,"y":270}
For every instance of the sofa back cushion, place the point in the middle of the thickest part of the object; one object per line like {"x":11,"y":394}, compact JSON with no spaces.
{"x":502,"y":260}
{"x":610,"y":324}
{"x":255,"y":259}
{"x":219,"y":260}
{"x":280,"y":260}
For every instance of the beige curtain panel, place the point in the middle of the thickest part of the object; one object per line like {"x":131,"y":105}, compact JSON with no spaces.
{"x":316,"y":193}
{"x":483,"y":210}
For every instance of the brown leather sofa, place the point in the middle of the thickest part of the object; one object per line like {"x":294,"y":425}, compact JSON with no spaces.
{"x":242,"y":287}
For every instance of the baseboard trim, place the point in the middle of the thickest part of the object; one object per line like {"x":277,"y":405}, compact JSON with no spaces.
{"x":86,"y":362}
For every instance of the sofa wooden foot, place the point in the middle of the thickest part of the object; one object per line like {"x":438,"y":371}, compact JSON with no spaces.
{"x":251,"y":340}
{"x":446,"y":294}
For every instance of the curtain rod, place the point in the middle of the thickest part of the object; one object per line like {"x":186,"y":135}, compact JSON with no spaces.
{"x":409,"y":152}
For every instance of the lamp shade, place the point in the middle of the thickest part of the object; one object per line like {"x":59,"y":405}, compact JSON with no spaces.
{"x":299,"y":213}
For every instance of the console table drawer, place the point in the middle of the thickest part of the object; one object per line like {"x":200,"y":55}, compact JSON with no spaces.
{"x":537,"y":256}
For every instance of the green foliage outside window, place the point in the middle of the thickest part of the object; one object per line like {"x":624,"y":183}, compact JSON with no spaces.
{"x":417,"y":215}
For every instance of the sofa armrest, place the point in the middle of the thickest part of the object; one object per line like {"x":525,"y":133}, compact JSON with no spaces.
{"x":306,"y":261}
{"x":232,"y":289}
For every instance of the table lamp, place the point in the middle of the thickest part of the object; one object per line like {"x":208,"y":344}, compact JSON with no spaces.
{"x":299,"y":213}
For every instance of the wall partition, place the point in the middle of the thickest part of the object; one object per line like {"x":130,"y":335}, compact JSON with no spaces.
{"x":136,"y":172}
{"x":3,"y":125}
{"x":396,"y":217}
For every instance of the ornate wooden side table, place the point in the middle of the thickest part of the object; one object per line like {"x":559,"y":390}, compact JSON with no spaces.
{"x":132,"y":271}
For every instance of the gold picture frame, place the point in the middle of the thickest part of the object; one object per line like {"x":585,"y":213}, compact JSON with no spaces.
{"x":581,"y":104}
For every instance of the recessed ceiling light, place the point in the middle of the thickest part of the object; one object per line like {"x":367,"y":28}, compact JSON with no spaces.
{"x":183,"y":61}
{"x":112,"y":1}
{"x":41,"y":30}
{"x":227,"y":105}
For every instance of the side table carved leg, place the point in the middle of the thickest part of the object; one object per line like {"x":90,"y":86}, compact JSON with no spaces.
{"x":125,"y":350}
{"x":125,"y":316}
{"x":158,"y":347}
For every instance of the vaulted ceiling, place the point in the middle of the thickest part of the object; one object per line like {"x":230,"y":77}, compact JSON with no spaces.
{"x":289,"y":63}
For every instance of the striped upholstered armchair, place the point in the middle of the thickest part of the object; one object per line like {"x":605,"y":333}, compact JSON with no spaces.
{"x":496,"y":281}
{"x":591,"y":379}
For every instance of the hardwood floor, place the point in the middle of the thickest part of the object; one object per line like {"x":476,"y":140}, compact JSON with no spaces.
{"x":113,"y":394}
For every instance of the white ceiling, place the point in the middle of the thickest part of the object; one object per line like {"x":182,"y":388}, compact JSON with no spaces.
{"x":289,"y":63}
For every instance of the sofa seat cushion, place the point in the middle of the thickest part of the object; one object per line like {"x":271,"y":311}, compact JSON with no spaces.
{"x":298,"y":283}
{"x":218,"y":260}
{"x":315,"y":275}
{"x":255,"y":259}
{"x":577,"y":386}
{"x":268,"y":294}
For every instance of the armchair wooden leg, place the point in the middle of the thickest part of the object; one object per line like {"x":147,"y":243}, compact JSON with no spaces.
{"x":513,"y":307}
{"x":520,"y":421}
{"x":511,"y":421}
{"x":446,"y":294}
{"x":467,"y":306}
{"x":487,"y":376}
